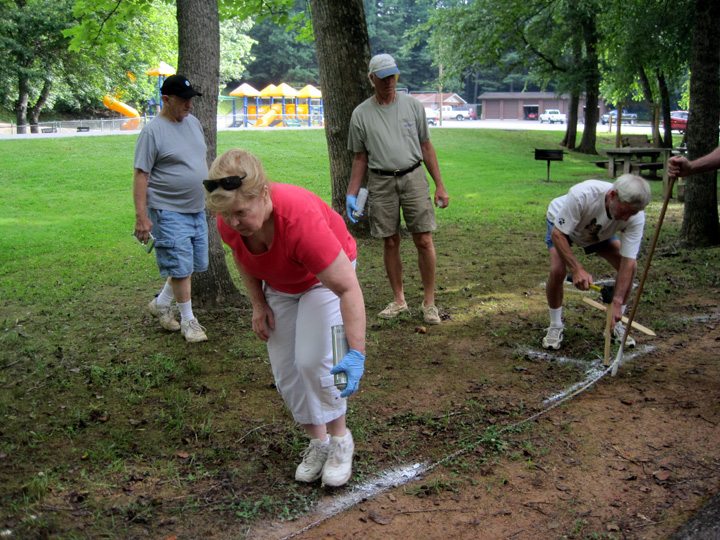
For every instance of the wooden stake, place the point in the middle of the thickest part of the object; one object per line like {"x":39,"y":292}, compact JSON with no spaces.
{"x":608,"y":322}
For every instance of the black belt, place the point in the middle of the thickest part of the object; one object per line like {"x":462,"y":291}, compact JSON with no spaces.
{"x":396,"y":172}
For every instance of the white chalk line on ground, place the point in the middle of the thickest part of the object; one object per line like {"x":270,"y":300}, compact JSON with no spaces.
{"x":400,"y":476}
{"x":403,"y":475}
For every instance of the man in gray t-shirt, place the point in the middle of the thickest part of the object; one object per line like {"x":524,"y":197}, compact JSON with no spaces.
{"x":390,"y":138}
{"x":169,"y":167}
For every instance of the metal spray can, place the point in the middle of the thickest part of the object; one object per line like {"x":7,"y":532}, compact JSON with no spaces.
{"x":340,"y":348}
{"x":360,"y":203}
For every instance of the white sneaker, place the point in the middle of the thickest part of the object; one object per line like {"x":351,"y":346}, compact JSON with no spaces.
{"x":392,"y":310}
{"x":192,"y":331}
{"x":164,"y":314}
{"x":618,"y":334}
{"x":430,"y":314}
{"x":553,"y":338}
{"x":314,"y":457}
{"x":338,"y":467}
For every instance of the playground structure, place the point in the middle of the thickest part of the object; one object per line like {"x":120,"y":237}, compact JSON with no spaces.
{"x":288,"y":112}
{"x":284,"y":105}
{"x":113,"y":103}
{"x":162,"y":71}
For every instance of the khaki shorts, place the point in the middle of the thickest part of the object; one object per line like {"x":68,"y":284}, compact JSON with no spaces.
{"x":387,"y":194}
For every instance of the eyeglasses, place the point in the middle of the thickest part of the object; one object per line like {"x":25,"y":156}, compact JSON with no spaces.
{"x":229,"y":183}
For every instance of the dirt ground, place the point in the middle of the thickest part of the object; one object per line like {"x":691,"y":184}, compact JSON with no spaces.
{"x":630,"y":458}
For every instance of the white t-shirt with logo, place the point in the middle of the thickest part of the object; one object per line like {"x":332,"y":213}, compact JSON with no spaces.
{"x":581,"y":215}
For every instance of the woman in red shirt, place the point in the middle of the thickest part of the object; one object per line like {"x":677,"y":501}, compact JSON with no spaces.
{"x":297,"y":260}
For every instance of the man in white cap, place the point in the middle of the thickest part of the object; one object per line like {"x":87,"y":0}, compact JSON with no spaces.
{"x":391,"y":139}
{"x":169,"y":167}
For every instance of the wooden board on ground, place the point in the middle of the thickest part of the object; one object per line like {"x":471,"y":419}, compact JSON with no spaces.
{"x":636,"y":326}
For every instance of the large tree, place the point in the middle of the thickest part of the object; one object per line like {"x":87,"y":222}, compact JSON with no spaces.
{"x":700,"y":223}
{"x":32,"y":51}
{"x":343,"y":51}
{"x":199,"y":61}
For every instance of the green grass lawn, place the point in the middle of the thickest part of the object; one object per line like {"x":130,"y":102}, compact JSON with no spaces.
{"x":68,"y":212}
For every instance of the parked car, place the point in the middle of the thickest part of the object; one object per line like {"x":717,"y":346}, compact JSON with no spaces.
{"x":626,"y":116}
{"x":678,"y":120}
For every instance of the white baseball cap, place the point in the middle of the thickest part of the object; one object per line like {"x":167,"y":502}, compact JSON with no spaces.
{"x":383,"y":65}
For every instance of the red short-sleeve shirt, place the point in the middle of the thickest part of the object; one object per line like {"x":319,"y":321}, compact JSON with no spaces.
{"x":308,"y":237}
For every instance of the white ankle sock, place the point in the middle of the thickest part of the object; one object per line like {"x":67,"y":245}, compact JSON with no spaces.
{"x":186,"y":312}
{"x":556,"y":317}
{"x":166,"y":295}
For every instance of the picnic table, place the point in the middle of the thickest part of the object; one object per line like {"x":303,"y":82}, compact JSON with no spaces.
{"x":633,"y":160}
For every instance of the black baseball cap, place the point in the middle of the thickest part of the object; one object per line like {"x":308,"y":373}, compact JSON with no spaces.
{"x":177,"y":85}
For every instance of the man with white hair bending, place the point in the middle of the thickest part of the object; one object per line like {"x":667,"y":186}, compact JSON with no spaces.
{"x":589,"y":216}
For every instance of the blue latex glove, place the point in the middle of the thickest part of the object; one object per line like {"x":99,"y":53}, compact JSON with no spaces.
{"x":353,"y":364}
{"x":350,"y":205}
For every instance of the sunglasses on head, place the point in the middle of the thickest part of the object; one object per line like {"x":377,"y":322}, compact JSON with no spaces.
{"x":229,"y":183}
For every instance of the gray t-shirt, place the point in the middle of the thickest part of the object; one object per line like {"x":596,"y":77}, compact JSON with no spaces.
{"x":174,"y":153}
{"x":391,"y":134}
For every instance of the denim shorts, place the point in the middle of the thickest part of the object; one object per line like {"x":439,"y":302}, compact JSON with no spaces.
{"x":588,"y":250}
{"x":181,"y":242}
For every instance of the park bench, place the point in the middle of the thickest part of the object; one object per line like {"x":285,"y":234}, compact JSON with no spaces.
{"x":49,"y":130}
{"x":83,"y":128}
{"x":651,"y":168}
{"x":292,"y":123}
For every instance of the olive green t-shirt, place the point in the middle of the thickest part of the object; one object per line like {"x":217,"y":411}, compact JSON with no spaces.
{"x":391,"y":134}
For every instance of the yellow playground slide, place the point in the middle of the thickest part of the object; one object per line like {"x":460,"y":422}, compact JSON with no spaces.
{"x":114,"y":105}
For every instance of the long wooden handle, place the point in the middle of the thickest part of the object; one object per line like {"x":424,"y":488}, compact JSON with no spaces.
{"x":636,"y":326}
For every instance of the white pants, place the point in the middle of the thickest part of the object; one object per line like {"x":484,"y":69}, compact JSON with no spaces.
{"x":300,"y":351}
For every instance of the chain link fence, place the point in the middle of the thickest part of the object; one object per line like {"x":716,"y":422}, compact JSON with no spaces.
{"x":109,"y":125}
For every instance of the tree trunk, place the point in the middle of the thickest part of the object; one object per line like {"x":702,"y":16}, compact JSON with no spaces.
{"x":700,"y":222}
{"x":21,"y":105}
{"x":592,"y":87}
{"x":343,"y":53}
{"x":665,"y":109}
{"x":35,"y":110}
{"x":199,"y":61}
{"x":572,"y":121}
{"x":649,"y":98}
